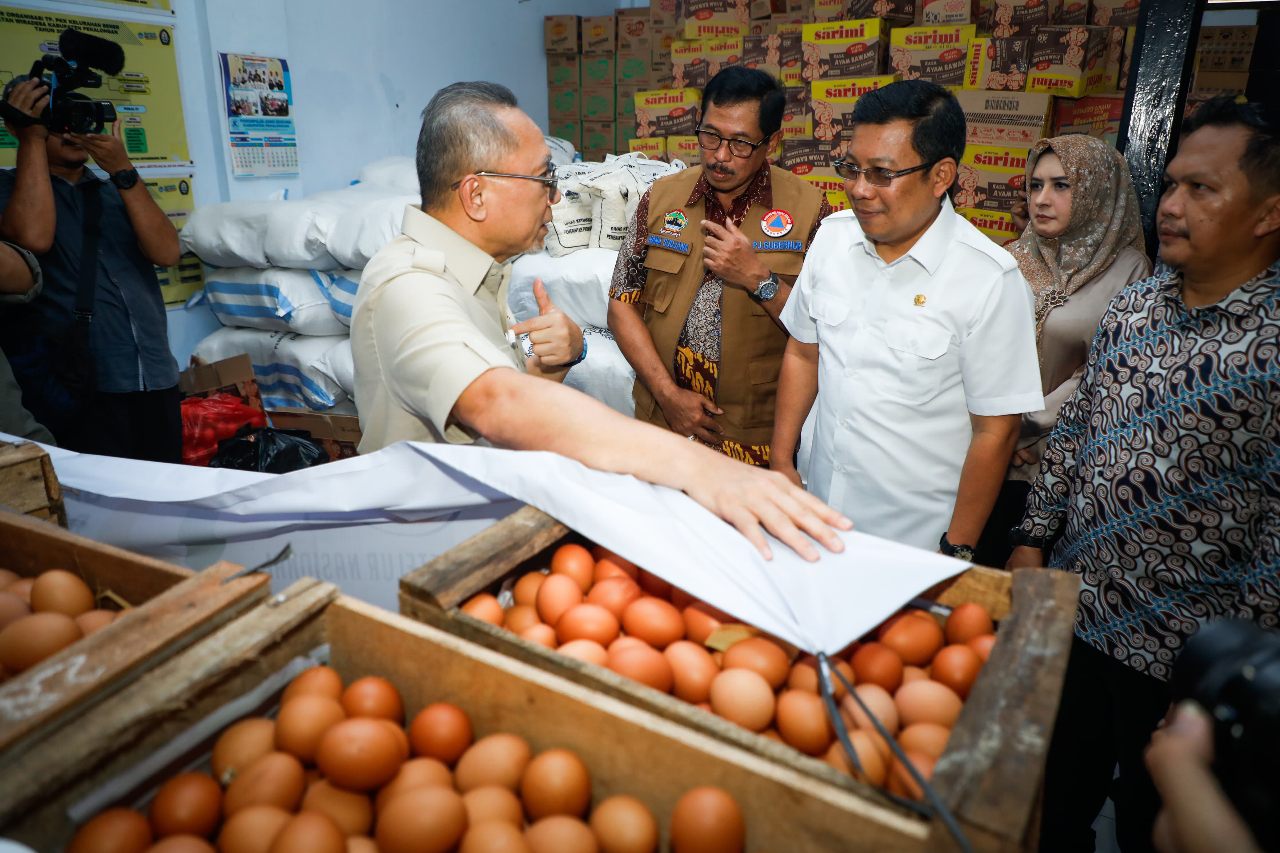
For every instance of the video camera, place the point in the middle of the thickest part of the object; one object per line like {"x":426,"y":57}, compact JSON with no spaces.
{"x":68,"y":110}
{"x":1231,"y":668}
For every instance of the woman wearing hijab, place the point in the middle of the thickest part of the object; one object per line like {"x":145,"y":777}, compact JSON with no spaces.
{"x":1082,"y":245}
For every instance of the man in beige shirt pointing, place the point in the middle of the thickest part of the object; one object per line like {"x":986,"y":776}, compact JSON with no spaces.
{"x":437,"y":360}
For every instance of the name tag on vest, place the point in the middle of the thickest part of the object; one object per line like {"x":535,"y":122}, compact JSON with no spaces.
{"x":668,"y":243}
{"x":776,"y":245}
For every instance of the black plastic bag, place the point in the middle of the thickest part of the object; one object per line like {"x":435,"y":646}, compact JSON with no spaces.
{"x":275,"y":451}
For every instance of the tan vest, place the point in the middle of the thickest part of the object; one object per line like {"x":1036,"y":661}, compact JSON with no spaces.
{"x":751,"y":343}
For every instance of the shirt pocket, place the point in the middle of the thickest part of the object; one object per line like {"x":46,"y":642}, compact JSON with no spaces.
{"x":763,"y":376}
{"x":661,"y":289}
{"x":828,"y":310}
{"x":918,"y":355}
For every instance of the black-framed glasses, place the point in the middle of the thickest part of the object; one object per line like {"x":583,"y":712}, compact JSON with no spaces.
{"x":741,"y":148}
{"x":877,"y":176}
{"x":548,"y":180}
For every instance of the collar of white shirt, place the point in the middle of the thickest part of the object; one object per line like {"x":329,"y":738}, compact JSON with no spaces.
{"x":469,"y":264}
{"x":929,"y":250}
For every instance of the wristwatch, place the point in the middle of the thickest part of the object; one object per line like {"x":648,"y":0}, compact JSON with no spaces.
{"x":125,"y":178}
{"x":960,"y":552}
{"x":766,"y":289}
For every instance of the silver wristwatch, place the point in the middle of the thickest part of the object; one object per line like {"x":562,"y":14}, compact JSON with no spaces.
{"x":766,"y":289}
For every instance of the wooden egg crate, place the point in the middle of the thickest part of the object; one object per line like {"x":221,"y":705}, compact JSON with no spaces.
{"x":28,"y":484}
{"x":991,"y":771}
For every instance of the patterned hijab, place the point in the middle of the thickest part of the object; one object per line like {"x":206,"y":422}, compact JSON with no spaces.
{"x":1104,"y":220}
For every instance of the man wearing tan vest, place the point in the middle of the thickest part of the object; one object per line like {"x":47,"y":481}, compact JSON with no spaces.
{"x":708,"y":264}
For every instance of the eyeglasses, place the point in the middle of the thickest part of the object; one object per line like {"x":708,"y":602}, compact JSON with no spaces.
{"x":548,"y":180}
{"x":741,"y":148}
{"x":877,"y":176}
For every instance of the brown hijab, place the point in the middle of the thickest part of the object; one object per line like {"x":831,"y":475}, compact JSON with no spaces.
{"x":1104,"y":220}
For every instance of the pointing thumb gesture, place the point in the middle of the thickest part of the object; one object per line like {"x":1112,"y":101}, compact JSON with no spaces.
{"x":554,"y":338}
{"x":545,"y":305}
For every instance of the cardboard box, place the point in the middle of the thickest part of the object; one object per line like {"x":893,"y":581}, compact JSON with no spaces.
{"x":831,"y":103}
{"x":600,"y":35}
{"x":684,"y":149}
{"x":632,"y":69}
{"x":1116,"y":39}
{"x":339,"y":435}
{"x":564,"y":103}
{"x":1096,"y":115}
{"x":841,"y":49}
{"x":991,"y":177}
{"x":826,"y":11}
{"x":664,"y":15}
{"x":797,"y":116}
{"x":625,"y":110}
{"x":232,"y":376}
{"x":997,"y":64}
{"x":708,"y":19}
{"x":896,"y":12}
{"x":655,"y":147}
{"x":802,"y":9}
{"x":667,"y":112}
{"x":569,"y":129}
{"x":598,"y":139}
{"x":1114,"y":13}
{"x":805,"y":156}
{"x":720,"y":53}
{"x":660,"y":75}
{"x":560,"y":33}
{"x":1126,"y":61}
{"x":1005,"y":118}
{"x":1210,"y":84}
{"x":837,"y":200}
{"x":598,"y":70}
{"x":563,"y":70}
{"x":1005,"y":18}
{"x":943,"y":12}
{"x":688,"y":63}
{"x":28,"y":484}
{"x":931,"y":53}
{"x":994,"y":223}
{"x":1070,"y":61}
{"x":1225,"y":48}
{"x":763,"y":53}
{"x":635,"y":34}
{"x":599,"y":104}
{"x":1072,"y":12}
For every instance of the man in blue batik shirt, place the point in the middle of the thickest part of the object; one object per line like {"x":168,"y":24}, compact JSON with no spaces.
{"x":1160,"y":485}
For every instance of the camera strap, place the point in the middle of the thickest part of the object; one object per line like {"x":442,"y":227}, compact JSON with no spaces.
{"x":88,"y":284}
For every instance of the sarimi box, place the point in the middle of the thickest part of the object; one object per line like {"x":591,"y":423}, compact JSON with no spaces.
{"x":720,"y":53}
{"x":667,"y":112}
{"x":991,"y":177}
{"x":843,"y":49}
{"x":805,"y":156}
{"x":688,"y":63}
{"x":998,"y":64}
{"x":831,"y":103}
{"x":797,"y":117}
{"x":684,"y":149}
{"x":1096,"y":115}
{"x":934,"y":12}
{"x":1005,"y":118}
{"x":896,"y":12}
{"x":994,"y":223}
{"x":1071,"y":61}
{"x":931,"y":53}
{"x":1072,"y":12}
{"x":655,"y":147}
{"x":1004,"y":18}
{"x":1115,"y":13}
{"x":560,"y":33}
{"x":708,"y":19}
{"x":779,"y":54}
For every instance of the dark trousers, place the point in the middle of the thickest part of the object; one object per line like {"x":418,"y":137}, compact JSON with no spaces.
{"x":993,"y":546}
{"x":136,"y":425}
{"x":1107,"y":715}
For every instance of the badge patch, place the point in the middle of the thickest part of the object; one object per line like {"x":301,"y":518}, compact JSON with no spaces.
{"x":777,"y":223}
{"x":777,"y":245}
{"x":668,"y":243}
{"x":674,"y":221}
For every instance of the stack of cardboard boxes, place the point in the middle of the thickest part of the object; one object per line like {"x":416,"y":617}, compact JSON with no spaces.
{"x":1222,"y":60}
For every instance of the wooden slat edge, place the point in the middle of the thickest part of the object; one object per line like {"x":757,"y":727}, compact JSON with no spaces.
{"x":989,"y":587}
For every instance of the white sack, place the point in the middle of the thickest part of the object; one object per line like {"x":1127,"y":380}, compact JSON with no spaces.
{"x":398,"y":173}
{"x":297,"y":232}
{"x":366,"y":227}
{"x":562,"y":150}
{"x":339,"y":365}
{"x":284,"y":363}
{"x":274,"y":299}
{"x":339,"y":288}
{"x":570,"y":226}
{"x":578,"y":283}
{"x":232,"y":234}
{"x":605,"y":373}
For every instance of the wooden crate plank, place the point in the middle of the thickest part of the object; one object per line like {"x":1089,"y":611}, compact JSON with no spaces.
{"x":989,"y":587}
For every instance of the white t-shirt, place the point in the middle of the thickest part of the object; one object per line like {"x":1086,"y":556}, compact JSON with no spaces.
{"x":907,"y":351}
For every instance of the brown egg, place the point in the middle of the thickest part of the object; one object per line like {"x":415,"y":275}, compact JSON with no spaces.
{"x":692,"y":670}
{"x":700,"y":621}
{"x":802,"y":721}
{"x":540,"y":635}
{"x":604,"y":555}
{"x":361,"y":844}
{"x":301,"y":723}
{"x":240,"y":745}
{"x":520,"y":617}
{"x":588,"y":651}
{"x":31,"y":639}
{"x":874,"y":766}
{"x":653,"y":585}
{"x":804,"y":676}
{"x":613,"y":566}
{"x":914,"y":673}
{"x":373,"y":696}
{"x":614,"y":594}
{"x":415,"y":773}
{"x":555,"y":782}
{"x":900,"y":781}
{"x":13,"y":608}
{"x":493,"y":802}
{"x":875,"y":663}
{"x":925,"y":738}
{"x":966,"y":622}
{"x":916,"y":639}
{"x":928,"y":702}
{"x":359,"y":754}
{"x":422,"y":820}
{"x":349,"y":810}
{"x":442,"y":731}
{"x":625,"y":642}
{"x":556,"y":595}
{"x":58,"y":591}
{"x":623,"y":824}
{"x":275,"y":779}
{"x":181,"y":844}
{"x":499,"y":759}
{"x":587,"y":622}
{"x":484,"y":607}
{"x":760,"y":655}
{"x":561,"y":834}
{"x":707,"y":820}
{"x":310,"y":832}
{"x":493,"y":837}
{"x":878,"y":700}
{"x":401,"y":736}
{"x":21,"y":588}
{"x":113,"y":831}
{"x":93,"y":621}
{"x":323,"y":680}
{"x":252,"y":829}
{"x":576,"y":562}
{"x":642,"y":663}
{"x":187,"y":804}
{"x":770,"y":733}
{"x":982,"y":645}
{"x":742,"y":696}
{"x":653,"y":620}
{"x":526,"y":589}
{"x":957,"y":667}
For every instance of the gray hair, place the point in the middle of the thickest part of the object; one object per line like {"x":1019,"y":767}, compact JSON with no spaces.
{"x":460,"y":134}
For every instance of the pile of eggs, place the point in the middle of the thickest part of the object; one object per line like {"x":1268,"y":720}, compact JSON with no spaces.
{"x":336,"y":771}
{"x":41,"y":616}
{"x":913,"y":675}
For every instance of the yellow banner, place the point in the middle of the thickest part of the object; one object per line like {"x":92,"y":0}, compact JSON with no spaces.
{"x":159,"y":5}
{"x":145,"y":93}
{"x":176,"y":197}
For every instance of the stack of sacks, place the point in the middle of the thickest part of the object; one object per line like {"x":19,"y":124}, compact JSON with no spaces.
{"x":598,"y":200}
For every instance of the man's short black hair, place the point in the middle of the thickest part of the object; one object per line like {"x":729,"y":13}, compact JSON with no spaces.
{"x":1261,"y":159}
{"x":938,"y":121}
{"x":738,"y":84}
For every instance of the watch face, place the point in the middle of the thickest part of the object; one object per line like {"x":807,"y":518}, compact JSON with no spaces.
{"x":767,"y":290}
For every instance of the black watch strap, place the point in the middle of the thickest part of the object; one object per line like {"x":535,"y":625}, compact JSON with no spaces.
{"x":125,"y":178}
{"x":960,"y":552}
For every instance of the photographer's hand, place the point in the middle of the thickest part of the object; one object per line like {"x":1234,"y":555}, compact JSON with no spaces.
{"x":30,"y":97}
{"x":29,"y":219}
{"x":106,"y":149}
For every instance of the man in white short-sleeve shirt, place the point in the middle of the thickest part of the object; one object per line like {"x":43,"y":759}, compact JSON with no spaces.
{"x":914,"y":332}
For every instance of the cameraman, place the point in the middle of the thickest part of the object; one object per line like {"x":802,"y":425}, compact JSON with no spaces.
{"x":19,"y":283}
{"x":117,"y":394}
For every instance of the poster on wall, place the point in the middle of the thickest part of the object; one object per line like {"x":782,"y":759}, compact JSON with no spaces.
{"x":145,"y":93}
{"x":158,"y":5}
{"x":259,"y":104}
{"x":176,"y":197}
